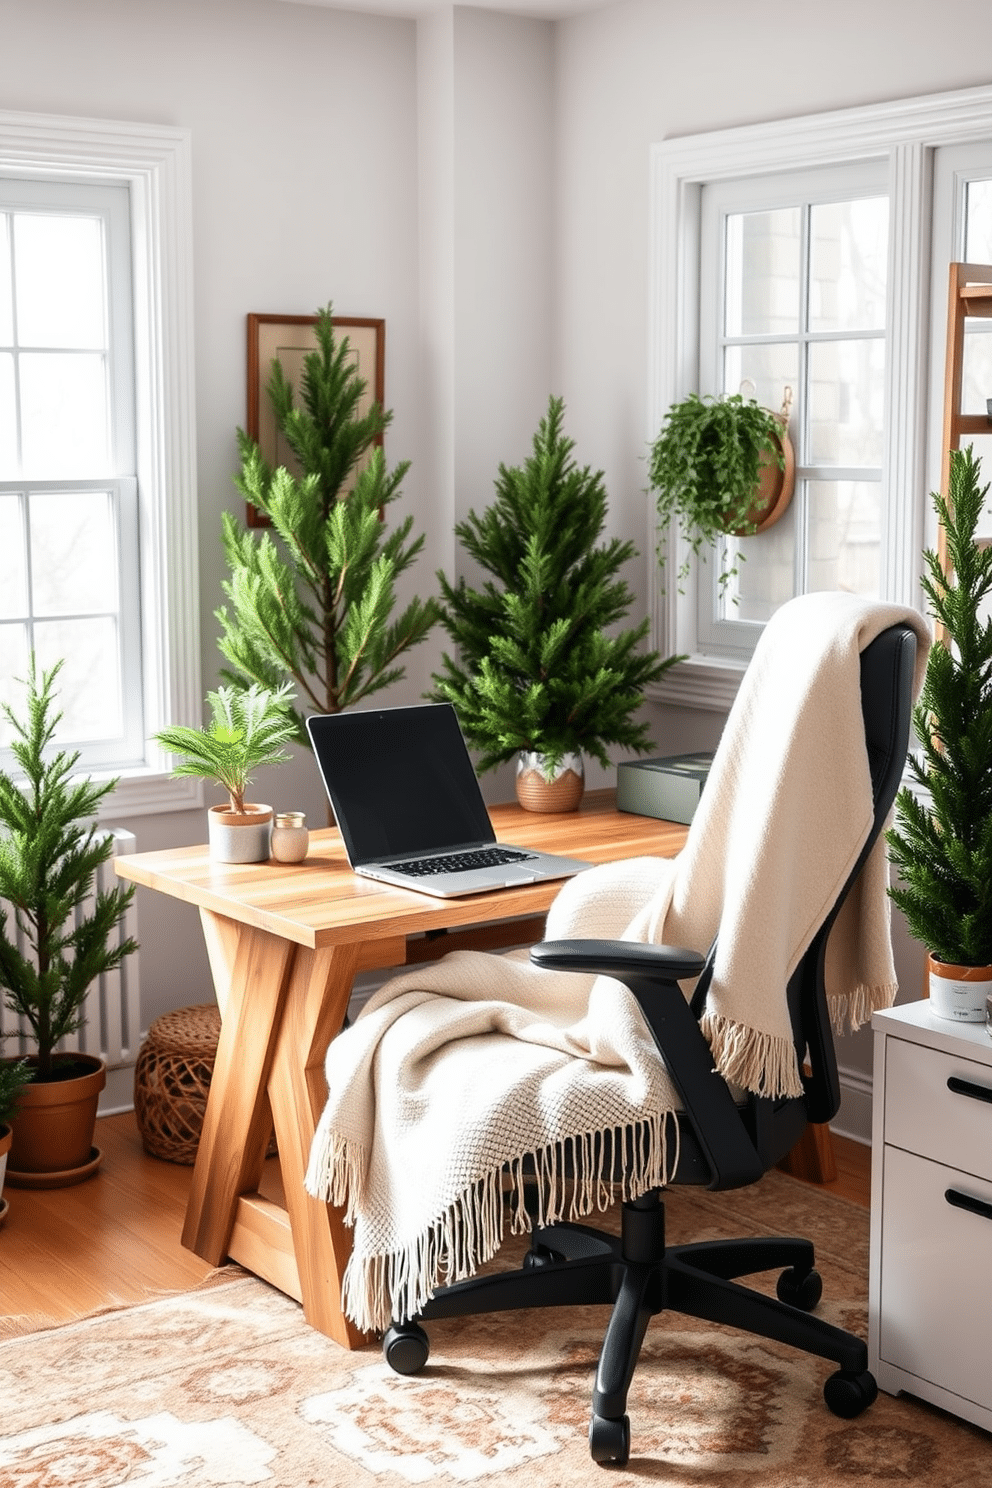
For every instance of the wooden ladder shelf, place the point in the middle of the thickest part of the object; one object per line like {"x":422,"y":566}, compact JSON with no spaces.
{"x":969,"y":294}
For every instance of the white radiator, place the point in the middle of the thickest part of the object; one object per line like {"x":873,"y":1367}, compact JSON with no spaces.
{"x":112,"y":1022}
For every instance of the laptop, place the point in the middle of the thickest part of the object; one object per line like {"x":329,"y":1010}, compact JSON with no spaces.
{"x":409,"y":807}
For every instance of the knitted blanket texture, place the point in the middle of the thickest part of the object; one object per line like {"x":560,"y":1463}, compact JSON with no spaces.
{"x":458,"y":1072}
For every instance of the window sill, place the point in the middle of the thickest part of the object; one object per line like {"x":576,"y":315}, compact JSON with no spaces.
{"x":708,"y":682}
{"x":148,"y":792}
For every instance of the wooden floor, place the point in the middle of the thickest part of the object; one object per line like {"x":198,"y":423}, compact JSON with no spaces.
{"x":114,"y":1240}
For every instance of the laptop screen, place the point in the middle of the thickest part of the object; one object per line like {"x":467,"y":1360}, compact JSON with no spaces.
{"x":400,"y":781}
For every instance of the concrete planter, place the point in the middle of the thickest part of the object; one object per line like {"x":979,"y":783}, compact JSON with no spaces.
{"x":240,"y":837}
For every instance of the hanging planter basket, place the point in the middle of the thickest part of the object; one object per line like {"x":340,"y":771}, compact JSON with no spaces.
{"x":776,"y":481}
{"x":776,"y":486}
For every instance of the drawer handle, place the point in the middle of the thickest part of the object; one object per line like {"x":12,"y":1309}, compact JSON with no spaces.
{"x":965,"y":1087}
{"x":965,"y":1201}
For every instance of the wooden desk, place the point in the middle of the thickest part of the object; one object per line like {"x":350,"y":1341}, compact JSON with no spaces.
{"x":284,"y":943}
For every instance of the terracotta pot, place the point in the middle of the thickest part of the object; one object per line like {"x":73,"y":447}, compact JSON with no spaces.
{"x":959,"y":993}
{"x":540,"y":789}
{"x":775,"y":489}
{"x":6,"y":1137}
{"x":240,"y":836}
{"x":53,"y":1129}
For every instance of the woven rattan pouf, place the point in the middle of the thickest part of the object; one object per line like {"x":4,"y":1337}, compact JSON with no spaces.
{"x":172,"y":1079}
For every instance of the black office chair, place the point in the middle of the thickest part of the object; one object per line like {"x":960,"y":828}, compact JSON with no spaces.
{"x":724,"y":1143}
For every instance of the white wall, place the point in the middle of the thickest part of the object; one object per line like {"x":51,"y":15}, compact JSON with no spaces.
{"x":305,"y":190}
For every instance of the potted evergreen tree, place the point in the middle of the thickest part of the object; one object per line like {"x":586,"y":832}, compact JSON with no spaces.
{"x":14,"y":1075}
{"x":314,"y":603}
{"x":942,"y":844}
{"x":540,"y":671}
{"x":248,"y":728}
{"x":718,"y":466}
{"x":49,"y":855}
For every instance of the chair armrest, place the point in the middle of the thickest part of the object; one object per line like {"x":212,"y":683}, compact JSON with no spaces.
{"x":652,"y":974}
{"x":612,"y":957}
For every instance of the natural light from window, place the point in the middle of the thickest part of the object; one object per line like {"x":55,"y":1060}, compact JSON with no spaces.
{"x":804,"y":319}
{"x":60,"y":591}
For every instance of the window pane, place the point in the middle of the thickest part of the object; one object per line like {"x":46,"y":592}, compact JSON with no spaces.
{"x":6,"y":307}
{"x":13,"y":588}
{"x":844,"y":536}
{"x":976,"y":366}
{"x":73,"y":552}
{"x":8,"y":419}
{"x":764,"y":371}
{"x":765,"y":575}
{"x":763,"y":257}
{"x":846,"y":402}
{"x":89,"y":684}
{"x":13,"y":667}
{"x":978,"y":231}
{"x":64,"y":414}
{"x":848,"y":257}
{"x":60,"y":281}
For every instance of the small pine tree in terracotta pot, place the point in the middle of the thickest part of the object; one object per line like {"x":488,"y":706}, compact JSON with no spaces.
{"x":62,"y":938}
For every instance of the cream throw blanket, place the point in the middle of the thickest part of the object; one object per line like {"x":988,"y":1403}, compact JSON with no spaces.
{"x":458,"y":1071}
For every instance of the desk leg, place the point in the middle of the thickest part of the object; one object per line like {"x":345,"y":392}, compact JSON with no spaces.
{"x":237,"y":1123}
{"x":314,"y":1010}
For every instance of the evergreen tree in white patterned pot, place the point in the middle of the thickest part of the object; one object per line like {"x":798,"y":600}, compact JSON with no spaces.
{"x":942,"y":839}
{"x":542,"y":673}
{"x":14,"y":1075}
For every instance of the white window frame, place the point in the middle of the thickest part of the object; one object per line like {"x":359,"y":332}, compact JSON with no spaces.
{"x":723,"y":633}
{"x":904,"y":134}
{"x":154,"y":162}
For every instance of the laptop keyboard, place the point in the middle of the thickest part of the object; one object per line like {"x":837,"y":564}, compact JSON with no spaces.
{"x":484,"y":857}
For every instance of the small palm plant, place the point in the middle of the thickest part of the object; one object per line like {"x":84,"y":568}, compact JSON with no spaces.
{"x":248,"y":729}
{"x":49,"y":855}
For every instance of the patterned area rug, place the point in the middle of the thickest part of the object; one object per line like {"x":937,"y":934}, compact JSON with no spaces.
{"x":227,"y":1385}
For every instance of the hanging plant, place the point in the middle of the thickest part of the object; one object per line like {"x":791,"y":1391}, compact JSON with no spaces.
{"x":721,"y":466}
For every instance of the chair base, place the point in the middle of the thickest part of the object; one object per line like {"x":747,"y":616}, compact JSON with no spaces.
{"x":639,"y":1276}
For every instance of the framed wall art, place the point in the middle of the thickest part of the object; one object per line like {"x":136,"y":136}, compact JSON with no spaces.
{"x":289,"y":338}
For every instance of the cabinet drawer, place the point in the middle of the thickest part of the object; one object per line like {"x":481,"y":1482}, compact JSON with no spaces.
{"x":924,"y":1115}
{"x":936,"y":1259}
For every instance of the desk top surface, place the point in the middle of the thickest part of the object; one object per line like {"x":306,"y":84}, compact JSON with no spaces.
{"x":320,"y":902}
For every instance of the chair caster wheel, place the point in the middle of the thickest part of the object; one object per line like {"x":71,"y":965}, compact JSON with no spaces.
{"x":803,"y":1292}
{"x":847,"y":1395}
{"x":609,"y":1440}
{"x":540,"y":1257}
{"x":405,"y":1348}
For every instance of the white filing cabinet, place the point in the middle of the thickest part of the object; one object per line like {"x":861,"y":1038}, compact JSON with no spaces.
{"x":930,"y":1302}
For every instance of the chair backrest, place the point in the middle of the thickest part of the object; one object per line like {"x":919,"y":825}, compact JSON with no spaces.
{"x":887,"y":667}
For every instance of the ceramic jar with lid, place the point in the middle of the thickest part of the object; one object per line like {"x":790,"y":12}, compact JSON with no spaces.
{"x":290,"y":838}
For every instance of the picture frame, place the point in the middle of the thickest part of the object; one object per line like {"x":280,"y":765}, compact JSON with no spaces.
{"x":290,"y":338}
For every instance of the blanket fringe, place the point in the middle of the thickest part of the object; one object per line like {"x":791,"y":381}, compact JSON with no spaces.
{"x":336,"y":1172}
{"x":396,"y":1284}
{"x":848,"y":1013}
{"x":763,"y":1063}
